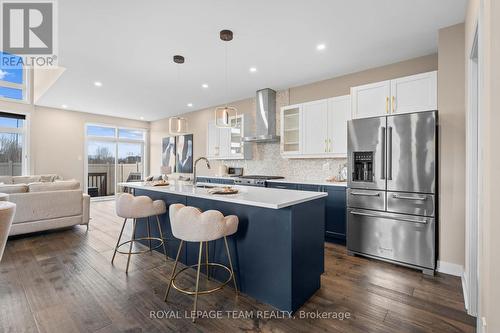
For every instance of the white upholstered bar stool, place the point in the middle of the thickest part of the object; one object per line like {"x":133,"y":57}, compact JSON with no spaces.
{"x":189,"y":224}
{"x":7,"y":211}
{"x":131,"y":207}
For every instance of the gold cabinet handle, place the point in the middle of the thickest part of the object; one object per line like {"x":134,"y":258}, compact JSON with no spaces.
{"x":393,"y":104}
{"x":387,"y":105}
{"x":326,"y":145}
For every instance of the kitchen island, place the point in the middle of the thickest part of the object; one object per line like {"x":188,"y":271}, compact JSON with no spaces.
{"x":278,"y":250}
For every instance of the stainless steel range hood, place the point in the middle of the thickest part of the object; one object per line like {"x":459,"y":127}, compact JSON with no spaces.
{"x":265,"y":117}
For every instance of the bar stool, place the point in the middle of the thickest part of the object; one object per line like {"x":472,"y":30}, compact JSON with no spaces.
{"x":131,"y":207}
{"x":189,"y":224}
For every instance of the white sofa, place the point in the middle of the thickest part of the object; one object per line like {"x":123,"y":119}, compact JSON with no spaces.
{"x":45,"y":202}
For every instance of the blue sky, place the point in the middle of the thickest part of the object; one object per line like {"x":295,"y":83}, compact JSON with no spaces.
{"x":124,"y":149}
{"x":12,"y":74}
{"x":10,"y":122}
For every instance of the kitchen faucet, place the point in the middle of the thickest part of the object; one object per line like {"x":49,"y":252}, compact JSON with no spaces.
{"x":194,"y":170}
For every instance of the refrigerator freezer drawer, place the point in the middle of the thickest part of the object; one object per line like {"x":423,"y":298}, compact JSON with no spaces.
{"x":402,"y":238}
{"x":411,"y":203}
{"x":366,"y":199}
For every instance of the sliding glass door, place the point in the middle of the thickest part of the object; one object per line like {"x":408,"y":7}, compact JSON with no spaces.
{"x":130,"y":165}
{"x":101,"y":168}
{"x":114,"y":155}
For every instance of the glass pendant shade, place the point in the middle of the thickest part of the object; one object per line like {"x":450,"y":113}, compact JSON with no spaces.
{"x":223,"y":116}
{"x":177,"y":125}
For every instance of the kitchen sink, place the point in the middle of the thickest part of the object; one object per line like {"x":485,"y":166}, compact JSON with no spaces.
{"x":204,"y":186}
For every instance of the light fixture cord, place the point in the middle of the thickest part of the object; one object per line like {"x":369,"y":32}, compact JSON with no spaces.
{"x":225,"y":69}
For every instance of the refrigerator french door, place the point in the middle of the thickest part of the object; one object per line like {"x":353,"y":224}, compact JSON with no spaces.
{"x":392,"y":188}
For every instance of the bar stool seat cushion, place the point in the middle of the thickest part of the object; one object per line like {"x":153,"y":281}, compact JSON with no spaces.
{"x":190,"y":224}
{"x":135,"y":207}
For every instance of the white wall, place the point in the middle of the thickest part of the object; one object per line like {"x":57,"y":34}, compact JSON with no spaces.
{"x":451,"y":106}
{"x":58,"y":139}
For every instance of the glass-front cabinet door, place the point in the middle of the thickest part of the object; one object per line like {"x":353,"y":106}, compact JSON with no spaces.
{"x":290,"y":130}
{"x":236,"y":136}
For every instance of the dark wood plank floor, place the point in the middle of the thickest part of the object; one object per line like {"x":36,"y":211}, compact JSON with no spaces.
{"x":63,"y":282}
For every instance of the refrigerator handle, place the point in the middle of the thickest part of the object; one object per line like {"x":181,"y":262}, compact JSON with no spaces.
{"x":425,"y":221}
{"x":382,"y":169}
{"x":389,"y":154}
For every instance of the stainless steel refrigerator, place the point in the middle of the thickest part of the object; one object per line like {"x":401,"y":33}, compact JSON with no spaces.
{"x":392,"y":189}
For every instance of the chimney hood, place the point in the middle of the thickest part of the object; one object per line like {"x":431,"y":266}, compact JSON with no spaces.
{"x":265,"y":117}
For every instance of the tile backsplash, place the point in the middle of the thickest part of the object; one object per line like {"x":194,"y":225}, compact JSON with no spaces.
{"x":267,"y":161}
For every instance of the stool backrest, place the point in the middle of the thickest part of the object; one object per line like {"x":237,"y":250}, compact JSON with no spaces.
{"x":190,"y":224}
{"x":129,"y":206}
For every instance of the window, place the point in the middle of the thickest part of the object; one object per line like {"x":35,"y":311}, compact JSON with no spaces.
{"x":13,"y":159}
{"x":114,"y":155}
{"x":12,"y":78}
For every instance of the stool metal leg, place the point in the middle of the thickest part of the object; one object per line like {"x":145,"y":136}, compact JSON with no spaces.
{"x":149,"y":233}
{"x":173,"y":271}
{"x":119,"y":238}
{"x":197,"y":281}
{"x":231,"y":265}
{"x":206,"y":261}
{"x":131,"y":244}
{"x":162,"y":238}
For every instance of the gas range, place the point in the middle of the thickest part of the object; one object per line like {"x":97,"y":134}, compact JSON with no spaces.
{"x":255,"y":180}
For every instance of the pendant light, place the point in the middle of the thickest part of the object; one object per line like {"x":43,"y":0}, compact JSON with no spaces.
{"x":223,"y":114}
{"x":177,"y":125}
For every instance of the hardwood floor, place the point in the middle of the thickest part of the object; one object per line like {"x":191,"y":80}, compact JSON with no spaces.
{"x":63,"y":281}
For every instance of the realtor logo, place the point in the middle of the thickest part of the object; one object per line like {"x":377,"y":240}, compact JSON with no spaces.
{"x":28,"y":27}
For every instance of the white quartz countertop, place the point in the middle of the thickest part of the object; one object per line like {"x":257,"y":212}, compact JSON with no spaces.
{"x":289,"y":181}
{"x":247,"y":195}
{"x":307,"y":182}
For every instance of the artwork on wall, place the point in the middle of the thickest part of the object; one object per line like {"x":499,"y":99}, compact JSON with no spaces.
{"x":184,"y":153}
{"x":168,"y":155}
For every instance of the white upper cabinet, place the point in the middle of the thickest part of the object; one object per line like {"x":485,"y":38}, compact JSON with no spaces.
{"x":315,"y":127}
{"x":413,"y":93}
{"x":371,"y":100}
{"x":226,"y":143}
{"x":339,"y":112}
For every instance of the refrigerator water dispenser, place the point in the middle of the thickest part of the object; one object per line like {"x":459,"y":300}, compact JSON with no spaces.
{"x":363,"y":166}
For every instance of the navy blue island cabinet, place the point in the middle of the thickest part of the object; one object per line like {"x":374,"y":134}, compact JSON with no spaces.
{"x":278,"y":254}
{"x":335,"y":208}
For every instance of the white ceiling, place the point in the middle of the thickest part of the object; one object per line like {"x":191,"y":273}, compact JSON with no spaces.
{"x":128,"y":46}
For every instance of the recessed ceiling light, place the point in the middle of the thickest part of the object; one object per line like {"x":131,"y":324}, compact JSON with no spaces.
{"x":204,"y":85}
{"x":98,"y":84}
{"x":320,"y":47}
{"x":64,"y":106}
{"x":190,"y":104}
{"x":253,"y":69}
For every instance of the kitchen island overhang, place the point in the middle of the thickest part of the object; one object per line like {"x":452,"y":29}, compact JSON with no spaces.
{"x":278,"y":250}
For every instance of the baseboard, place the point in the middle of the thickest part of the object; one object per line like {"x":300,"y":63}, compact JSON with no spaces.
{"x":450,"y":268}
{"x":465,"y":290}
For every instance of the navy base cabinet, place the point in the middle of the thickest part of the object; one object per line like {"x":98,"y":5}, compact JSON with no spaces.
{"x":335,"y":226}
{"x":335,"y":210}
